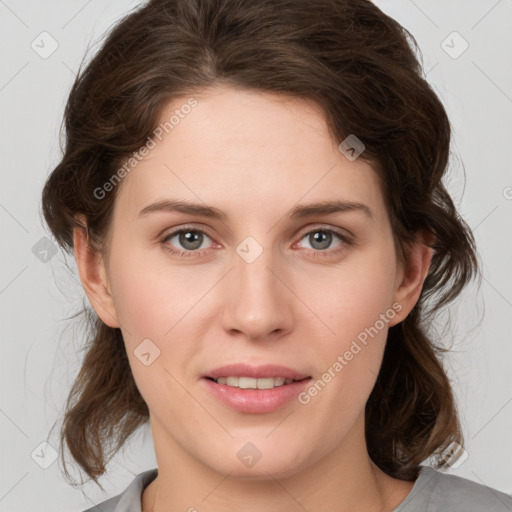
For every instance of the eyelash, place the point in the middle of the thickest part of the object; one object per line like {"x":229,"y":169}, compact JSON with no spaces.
{"x":346,"y":242}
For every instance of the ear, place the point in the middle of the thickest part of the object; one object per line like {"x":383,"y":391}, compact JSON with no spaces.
{"x":412,"y":274}
{"x":93,"y":275}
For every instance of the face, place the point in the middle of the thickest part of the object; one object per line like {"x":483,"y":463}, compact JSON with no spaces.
{"x":255,"y":279}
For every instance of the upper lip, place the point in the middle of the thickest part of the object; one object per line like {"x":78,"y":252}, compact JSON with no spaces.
{"x":262,"y":371}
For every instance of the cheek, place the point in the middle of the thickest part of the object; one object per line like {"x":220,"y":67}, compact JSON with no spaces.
{"x":151,"y":297}
{"x":357,"y":306}
{"x":164,"y":305}
{"x":348,"y":362}
{"x":355,"y":296}
{"x":155,"y":316}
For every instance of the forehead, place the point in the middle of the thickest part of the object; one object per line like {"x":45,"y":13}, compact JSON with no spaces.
{"x":244,"y":150}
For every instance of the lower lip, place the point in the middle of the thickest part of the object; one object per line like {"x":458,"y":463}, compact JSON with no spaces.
{"x":256,"y":400}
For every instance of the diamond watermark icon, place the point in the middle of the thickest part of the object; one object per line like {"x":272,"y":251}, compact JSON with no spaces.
{"x":146,"y":352}
{"x":44,"y":45}
{"x":249,"y":250}
{"x":44,"y":455}
{"x":352,"y":147}
{"x":454,"y":455}
{"x":249,"y":455}
{"x":44,"y":249}
{"x":454,"y":45}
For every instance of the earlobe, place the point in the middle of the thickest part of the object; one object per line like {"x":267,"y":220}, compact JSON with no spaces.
{"x":93,"y":275}
{"x":413,"y":275}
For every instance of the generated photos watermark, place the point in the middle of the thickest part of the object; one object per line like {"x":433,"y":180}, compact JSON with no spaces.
{"x":344,"y":359}
{"x":158,"y":133}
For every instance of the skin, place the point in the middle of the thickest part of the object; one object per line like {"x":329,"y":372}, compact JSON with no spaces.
{"x":255,"y":156}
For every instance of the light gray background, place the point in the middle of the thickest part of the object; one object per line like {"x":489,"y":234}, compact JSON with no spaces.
{"x":40,"y":349}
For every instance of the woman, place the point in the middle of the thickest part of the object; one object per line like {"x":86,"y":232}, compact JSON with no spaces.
{"x":252,"y":192}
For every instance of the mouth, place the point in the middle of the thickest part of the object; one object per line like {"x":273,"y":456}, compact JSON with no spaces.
{"x":255,"y":389}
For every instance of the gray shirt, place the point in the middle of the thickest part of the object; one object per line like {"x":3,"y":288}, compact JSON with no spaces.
{"x":433,"y":491}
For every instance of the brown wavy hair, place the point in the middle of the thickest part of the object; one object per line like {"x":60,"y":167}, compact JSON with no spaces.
{"x":356,"y":63}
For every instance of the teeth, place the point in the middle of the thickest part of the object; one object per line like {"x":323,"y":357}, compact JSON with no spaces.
{"x":252,"y":383}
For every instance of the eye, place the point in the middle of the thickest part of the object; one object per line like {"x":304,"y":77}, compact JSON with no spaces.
{"x":190,"y":239}
{"x":320,"y":239}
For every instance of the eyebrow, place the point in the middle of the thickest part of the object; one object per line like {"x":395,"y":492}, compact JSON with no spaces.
{"x":298,"y":212}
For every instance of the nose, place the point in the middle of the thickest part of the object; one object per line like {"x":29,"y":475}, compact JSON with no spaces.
{"x":259,"y":305}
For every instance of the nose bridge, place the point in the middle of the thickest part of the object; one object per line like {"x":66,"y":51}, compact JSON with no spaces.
{"x":258,"y":305}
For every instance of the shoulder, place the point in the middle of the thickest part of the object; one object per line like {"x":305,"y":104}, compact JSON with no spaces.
{"x":434,"y":491}
{"x":130,"y":499}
